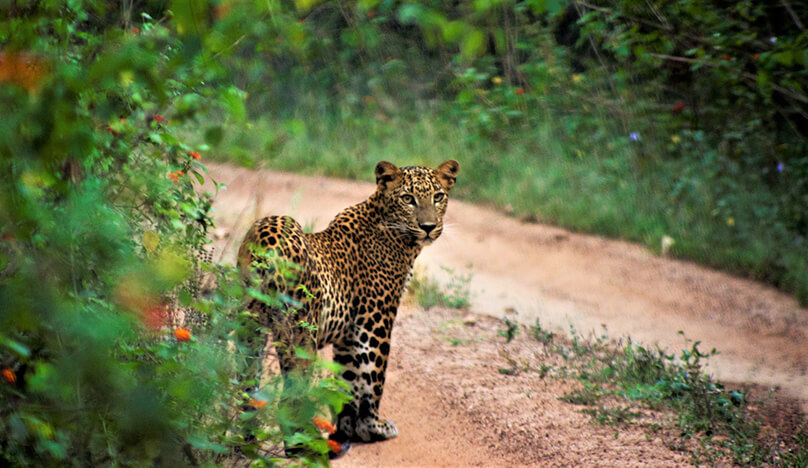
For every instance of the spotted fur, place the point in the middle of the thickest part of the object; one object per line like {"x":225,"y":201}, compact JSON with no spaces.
{"x":352,"y":276}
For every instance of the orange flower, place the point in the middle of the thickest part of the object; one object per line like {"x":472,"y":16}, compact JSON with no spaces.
{"x":193,"y":154}
{"x":258,"y":403}
{"x":335,"y":447}
{"x":324,"y":425}
{"x":520,"y":91}
{"x":135,"y":30}
{"x":180,"y":173}
{"x":756,"y":56}
{"x":182,"y":334}
{"x":160,"y":118}
{"x":174,"y":177}
{"x":9,"y":375}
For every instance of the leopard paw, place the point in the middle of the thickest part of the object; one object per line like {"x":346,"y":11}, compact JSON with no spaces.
{"x":375,"y":430}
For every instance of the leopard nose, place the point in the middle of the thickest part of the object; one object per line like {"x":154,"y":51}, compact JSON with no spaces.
{"x":427,"y":227}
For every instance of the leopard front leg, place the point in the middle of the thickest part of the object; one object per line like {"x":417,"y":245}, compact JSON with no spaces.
{"x":365,"y":360}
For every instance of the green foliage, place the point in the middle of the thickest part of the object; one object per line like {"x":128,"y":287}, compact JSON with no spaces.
{"x":729,"y":82}
{"x":511,"y":329}
{"x":429,"y":293}
{"x":541,"y":335}
{"x":101,"y":207}
{"x":636,"y":106}
{"x":617,"y":379}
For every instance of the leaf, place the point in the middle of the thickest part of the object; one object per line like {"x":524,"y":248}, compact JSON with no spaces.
{"x":410,"y":13}
{"x":190,"y":16}
{"x":473,"y":44}
{"x":150,"y":240}
{"x":214,"y":135}
{"x":15,"y":346}
{"x":785,"y":58}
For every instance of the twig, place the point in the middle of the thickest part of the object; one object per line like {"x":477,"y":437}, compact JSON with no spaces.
{"x":793,"y":15}
{"x":632,"y":18}
{"x":784,"y":91}
{"x":186,"y":449}
{"x":605,"y":66}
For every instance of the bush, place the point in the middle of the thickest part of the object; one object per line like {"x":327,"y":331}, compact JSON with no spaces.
{"x":101,"y":214}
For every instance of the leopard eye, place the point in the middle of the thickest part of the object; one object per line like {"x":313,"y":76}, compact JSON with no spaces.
{"x":408,"y":199}
{"x":438,"y":197}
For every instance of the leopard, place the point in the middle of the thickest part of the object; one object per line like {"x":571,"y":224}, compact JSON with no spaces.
{"x":348,"y":284}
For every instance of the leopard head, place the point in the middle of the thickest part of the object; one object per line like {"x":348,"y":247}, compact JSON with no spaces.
{"x":415,"y":198}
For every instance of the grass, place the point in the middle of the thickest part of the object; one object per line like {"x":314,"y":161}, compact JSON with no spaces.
{"x":716,"y":424}
{"x":609,"y":187}
{"x":429,"y":293}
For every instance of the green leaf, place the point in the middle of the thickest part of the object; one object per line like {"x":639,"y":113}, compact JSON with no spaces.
{"x":190,"y":16}
{"x":473,"y":44}
{"x":785,"y":58}
{"x":149,"y":240}
{"x":16,"y":347}
{"x":214,"y":135}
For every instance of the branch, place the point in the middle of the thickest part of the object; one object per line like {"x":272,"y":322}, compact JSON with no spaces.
{"x":632,"y":18}
{"x":793,"y":15}
{"x":784,"y":91}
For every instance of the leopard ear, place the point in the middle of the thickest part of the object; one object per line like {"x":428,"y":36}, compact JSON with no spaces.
{"x":447,"y":173}
{"x":385,"y":174}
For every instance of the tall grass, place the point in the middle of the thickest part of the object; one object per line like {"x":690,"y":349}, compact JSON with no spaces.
{"x":614,"y":186}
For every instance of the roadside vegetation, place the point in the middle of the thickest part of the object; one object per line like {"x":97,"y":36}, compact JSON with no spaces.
{"x":683,"y":121}
{"x":620,"y":381}
{"x":639,"y":122}
{"x":102,"y":225}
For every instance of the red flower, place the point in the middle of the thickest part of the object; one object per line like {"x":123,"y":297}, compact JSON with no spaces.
{"x":324,"y":425}
{"x":193,"y":154}
{"x":182,"y":334}
{"x":371,"y":14}
{"x":160,"y":118}
{"x":112,"y":130}
{"x":727,"y":57}
{"x":520,"y":91}
{"x":679,"y":107}
{"x":756,"y":56}
{"x":9,"y":376}
{"x":135,"y":30}
{"x":174,"y":177}
{"x":335,"y":447}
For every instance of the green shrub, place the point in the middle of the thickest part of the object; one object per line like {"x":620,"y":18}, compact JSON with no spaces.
{"x":101,"y":213}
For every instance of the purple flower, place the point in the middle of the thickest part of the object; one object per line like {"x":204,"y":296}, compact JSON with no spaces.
{"x":780,"y":167}
{"x":634,"y":136}
{"x":772,"y":40}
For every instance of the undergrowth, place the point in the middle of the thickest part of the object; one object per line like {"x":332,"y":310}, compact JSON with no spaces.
{"x":620,"y":379}
{"x":428,"y":292}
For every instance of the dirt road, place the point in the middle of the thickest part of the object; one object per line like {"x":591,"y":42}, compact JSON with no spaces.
{"x":453,"y":408}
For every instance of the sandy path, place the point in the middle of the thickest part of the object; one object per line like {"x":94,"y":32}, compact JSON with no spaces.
{"x":543,"y":272}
